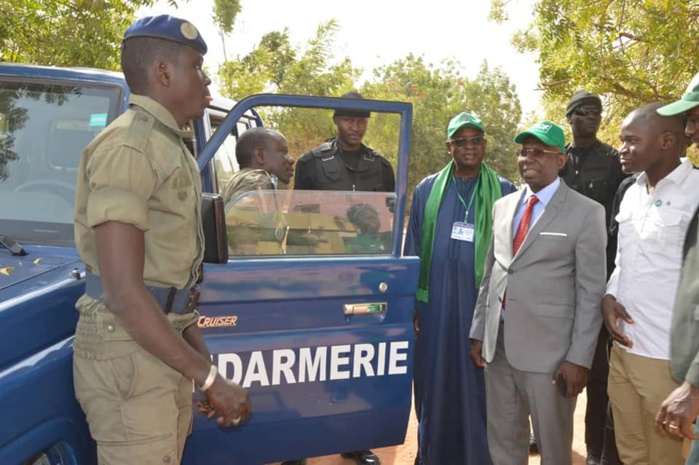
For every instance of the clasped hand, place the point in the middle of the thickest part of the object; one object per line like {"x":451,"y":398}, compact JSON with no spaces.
{"x":229,"y":401}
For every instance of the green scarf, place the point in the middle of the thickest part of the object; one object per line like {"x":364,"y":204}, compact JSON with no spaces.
{"x":489,"y":190}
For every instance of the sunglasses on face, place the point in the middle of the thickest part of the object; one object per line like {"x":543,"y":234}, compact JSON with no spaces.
{"x":534,"y":153}
{"x":466,"y":141}
{"x":588,"y":111}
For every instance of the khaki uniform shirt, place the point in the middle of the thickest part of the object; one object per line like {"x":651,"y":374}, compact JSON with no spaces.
{"x":138,"y":171}
{"x":246,"y":180}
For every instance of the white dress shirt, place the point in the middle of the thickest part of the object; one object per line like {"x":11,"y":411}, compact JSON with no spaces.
{"x":544,"y":195}
{"x":649,"y":255}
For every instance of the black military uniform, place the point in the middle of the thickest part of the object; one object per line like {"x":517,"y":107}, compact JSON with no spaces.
{"x":595,"y":172}
{"x":328,"y":167}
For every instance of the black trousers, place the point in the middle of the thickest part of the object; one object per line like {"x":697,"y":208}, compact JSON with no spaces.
{"x":599,"y":426}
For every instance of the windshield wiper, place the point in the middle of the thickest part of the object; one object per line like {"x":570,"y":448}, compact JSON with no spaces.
{"x":13,"y":246}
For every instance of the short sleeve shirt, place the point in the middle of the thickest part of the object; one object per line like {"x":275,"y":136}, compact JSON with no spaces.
{"x":139,"y":171}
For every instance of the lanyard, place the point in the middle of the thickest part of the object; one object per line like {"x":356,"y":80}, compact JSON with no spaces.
{"x":463,"y":202}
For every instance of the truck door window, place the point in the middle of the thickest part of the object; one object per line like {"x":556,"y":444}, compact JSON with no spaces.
{"x":225,"y":162}
{"x":266,"y":217}
{"x":284,"y":222}
{"x":43,"y":130}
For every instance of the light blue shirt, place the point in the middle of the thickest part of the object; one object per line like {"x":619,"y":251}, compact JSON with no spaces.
{"x":544,"y":195}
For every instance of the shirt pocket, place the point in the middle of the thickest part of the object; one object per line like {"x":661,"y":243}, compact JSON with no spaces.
{"x":665,"y":232}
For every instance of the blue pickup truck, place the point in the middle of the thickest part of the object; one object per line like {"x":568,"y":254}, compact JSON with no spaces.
{"x":315,"y":323}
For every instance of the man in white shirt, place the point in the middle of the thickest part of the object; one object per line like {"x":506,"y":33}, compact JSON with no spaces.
{"x":637,"y":308}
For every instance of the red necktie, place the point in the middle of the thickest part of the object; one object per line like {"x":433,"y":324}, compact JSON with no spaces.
{"x":524,"y":224}
{"x":521,"y":234}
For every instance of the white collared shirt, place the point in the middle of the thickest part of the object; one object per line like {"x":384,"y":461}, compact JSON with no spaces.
{"x":544,"y":195}
{"x":652,"y":228}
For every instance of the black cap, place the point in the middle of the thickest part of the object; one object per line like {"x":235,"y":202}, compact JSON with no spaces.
{"x":347,"y":112}
{"x":580,"y":98}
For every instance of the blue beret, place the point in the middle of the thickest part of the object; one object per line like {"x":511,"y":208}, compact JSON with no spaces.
{"x":169,"y":28}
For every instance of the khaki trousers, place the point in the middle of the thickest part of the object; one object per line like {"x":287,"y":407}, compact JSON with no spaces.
{"x":637,"y":386}
{"x":139,"y":410}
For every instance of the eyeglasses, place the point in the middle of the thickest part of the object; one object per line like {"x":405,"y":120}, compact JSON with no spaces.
{"x":587,"y":111}
{"x":465,"y":141}
{"x":535,"y":153}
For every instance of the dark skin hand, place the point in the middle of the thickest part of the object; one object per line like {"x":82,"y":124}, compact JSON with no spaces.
{"x":678,"y":411}
{"x":575,"y":376}
{"x":612,"y":312}
{"x":476,"y":353}
{"x":121,"y":254}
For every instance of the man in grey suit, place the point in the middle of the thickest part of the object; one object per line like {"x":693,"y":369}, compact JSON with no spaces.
{"x":537,"y":317}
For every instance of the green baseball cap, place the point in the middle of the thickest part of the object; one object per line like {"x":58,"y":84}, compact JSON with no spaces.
{"x":462,"y":120}
{"x":689,"y":100}
{"x":547,"y":132}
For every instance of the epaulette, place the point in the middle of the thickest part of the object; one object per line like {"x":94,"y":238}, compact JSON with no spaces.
{"x":322,"y":150}
{"x":140,"y":127}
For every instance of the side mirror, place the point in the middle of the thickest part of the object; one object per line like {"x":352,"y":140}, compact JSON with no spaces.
{"x":213,"y":220}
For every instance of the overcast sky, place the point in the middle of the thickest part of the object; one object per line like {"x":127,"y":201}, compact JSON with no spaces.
{"x":378,"y":32}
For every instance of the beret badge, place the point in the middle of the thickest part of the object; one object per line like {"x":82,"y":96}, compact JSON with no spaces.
{"x":188,"y":30}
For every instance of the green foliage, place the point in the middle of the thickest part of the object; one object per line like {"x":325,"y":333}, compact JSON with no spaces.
{"x":225,"y":12}
{"x":437,"y":95}
{"x":78,"y":32}
{"x":65,"y":32}
{"x":277,"y":66}
{"x":629,"y":51}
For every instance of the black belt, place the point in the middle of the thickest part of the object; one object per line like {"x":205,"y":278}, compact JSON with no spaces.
{"x":170,"y":299}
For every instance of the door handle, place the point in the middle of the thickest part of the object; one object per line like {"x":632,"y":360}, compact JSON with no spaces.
{"x":373,"y":308}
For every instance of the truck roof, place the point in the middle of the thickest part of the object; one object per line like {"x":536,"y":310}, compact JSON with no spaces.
{"x":87,"y":74}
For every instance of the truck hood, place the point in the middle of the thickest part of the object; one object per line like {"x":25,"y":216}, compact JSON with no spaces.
{"x":14,"y":270}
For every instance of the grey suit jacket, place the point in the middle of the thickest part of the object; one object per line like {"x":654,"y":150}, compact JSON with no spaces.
{"x":554,"y":284}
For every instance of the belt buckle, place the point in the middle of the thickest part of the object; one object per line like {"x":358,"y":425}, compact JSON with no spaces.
{"x":193,"y":299}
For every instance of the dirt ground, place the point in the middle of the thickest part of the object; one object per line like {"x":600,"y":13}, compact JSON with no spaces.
{"x":405,"y":454}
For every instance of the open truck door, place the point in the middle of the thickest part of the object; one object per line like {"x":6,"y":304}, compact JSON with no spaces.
{"x":312,"y":313}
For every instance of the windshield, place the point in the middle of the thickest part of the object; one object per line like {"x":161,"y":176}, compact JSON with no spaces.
{"x":43,"y":130}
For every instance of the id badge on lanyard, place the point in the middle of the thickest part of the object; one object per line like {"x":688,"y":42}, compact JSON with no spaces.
{"x":461,"y":231}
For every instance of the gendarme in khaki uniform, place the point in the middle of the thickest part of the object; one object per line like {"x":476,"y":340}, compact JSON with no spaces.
{"x":138,"y":171}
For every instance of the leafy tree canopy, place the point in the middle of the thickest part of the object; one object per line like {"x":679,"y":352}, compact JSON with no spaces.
{"x":629,"y":51}
{"x":437,"y":93}
{"x":78,"y":32}
{"x":440,"y":93}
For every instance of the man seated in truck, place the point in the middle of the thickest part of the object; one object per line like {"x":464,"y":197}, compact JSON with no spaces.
{"x":259,"y":225}
{"x":137,"y":347}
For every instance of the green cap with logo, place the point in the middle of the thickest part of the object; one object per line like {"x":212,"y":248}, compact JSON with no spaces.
{"x":463,"y":120}
{"x":547,"y":132}
{"x":689,"y":100}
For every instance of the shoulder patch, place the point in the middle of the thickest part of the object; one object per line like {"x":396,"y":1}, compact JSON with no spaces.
{"x":322,"y":149}
{"x":139,"y":130}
